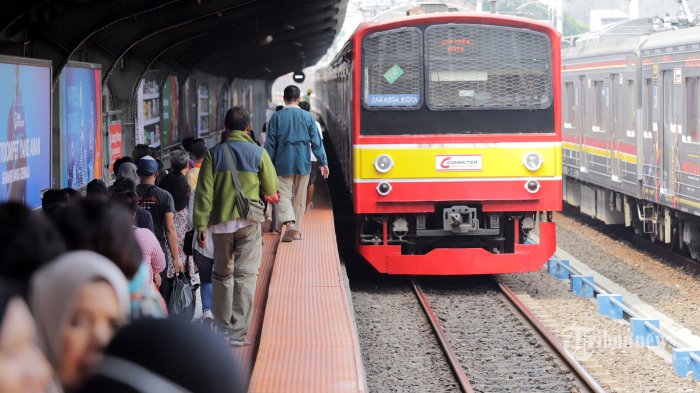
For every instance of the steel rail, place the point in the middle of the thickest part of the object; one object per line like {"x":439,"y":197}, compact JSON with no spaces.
{"x":457,"y":368}
{"x":590,"y":382}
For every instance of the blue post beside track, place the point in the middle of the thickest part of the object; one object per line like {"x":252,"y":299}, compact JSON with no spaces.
{"x":559,"y":268}
{"x":643,"y":334}
{"x":580,"y":286}
{"x":645,"y":331}
{"x":685,"y":361}
{"x":608,"y":305}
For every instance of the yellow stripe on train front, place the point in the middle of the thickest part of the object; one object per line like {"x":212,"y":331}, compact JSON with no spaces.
{"x":478,"y":161}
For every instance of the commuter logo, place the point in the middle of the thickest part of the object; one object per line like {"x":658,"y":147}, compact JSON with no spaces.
{"x":470,"y":162}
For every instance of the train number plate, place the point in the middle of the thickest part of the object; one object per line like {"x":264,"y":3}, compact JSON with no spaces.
{"x":458,"y":162}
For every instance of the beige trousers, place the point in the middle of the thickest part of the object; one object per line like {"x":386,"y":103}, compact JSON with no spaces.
{"x":292,"y":204}
{"x":237,"y":259}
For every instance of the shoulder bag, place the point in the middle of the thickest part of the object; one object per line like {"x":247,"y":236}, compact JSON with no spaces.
{"x":250,"y":210}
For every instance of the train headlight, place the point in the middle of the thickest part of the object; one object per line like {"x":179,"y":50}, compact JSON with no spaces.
{"x":383,"y":163}
{"x":383,"y":188}
{"x":532,"y":186}
{"x":532,"y":161}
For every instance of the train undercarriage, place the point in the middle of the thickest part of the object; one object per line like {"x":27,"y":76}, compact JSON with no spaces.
{"x":456,"y":239}
{"x":676,"y":229}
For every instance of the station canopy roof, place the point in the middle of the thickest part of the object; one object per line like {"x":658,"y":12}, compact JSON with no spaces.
{"x":256,"y":39}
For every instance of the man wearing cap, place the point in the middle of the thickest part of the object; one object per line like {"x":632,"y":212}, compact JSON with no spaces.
{"x":160,"y":204}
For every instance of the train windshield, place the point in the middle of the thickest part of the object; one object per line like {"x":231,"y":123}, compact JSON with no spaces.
{"x":475,"y":67}
{"x":393,"y":75}
{"x":458,"y":79}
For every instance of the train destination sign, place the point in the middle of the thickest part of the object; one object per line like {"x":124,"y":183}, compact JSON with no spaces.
{"x":392,"y":99}
{"x":459,"y":45}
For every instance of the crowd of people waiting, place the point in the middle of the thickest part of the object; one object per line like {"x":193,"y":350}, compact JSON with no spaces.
{"x":86,"y":284}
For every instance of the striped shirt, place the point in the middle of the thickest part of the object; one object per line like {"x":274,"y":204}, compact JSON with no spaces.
{"x":153,"y":255}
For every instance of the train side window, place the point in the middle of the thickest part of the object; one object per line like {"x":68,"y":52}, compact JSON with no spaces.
{"x":673,"y":105}
{"x":620,"y":97}
{"x":570,"y":105}
{"x":392,"y":68}
{"x":692,"y":121}
{"x":597,"y":125}
{"x":631,"y":106}
{"x":648,"y":105}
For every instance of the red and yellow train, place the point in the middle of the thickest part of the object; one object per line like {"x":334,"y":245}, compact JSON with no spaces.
{"x":448,"y":131}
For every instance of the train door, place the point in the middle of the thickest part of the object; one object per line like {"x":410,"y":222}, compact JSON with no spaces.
{"x":618,"y":114}
{"x":671,"y":129}
{"x":584,"y":123}
{"x":650,"y":103}
{"x":571,"y":124}
{"x":619,"y":128}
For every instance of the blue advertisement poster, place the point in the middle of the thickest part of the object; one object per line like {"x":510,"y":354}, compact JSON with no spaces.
{"x":81,"y":142}
{"x":25,"y":132}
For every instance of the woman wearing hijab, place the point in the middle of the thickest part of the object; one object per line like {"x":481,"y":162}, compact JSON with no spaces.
{"x":23,"y":368}
{"x":79,"y":301}
{"x":197,"y":361}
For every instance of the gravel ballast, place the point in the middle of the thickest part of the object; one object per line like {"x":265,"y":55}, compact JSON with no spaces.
{"x":499,"y":351}
{"x":596,"y":340}
{"x":668,"y":289}
{"x":399,"y":351}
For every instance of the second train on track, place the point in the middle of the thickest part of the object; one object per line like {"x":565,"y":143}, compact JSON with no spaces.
{"x":631,"y":97}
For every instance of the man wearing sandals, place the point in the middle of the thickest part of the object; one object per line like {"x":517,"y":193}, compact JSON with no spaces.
{"x":237,"y":241}
{"x":291,"y":136}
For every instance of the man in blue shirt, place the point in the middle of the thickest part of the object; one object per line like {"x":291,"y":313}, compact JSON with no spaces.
{"x":291,"y":137}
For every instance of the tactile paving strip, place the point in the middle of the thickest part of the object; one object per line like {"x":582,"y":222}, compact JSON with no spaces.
{"x":309,"y":341}
{"x":246,"y":354}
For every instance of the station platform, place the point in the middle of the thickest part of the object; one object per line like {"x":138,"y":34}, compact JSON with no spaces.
{"x":303,"y":333}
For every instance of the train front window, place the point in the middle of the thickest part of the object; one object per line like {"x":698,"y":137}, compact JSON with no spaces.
{"x":457,"y":78}
{"x":393,"y":72}
{"x":476,"y":67}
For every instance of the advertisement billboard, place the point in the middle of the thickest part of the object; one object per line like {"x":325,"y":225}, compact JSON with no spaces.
{"x":25,"y":137}
{"x":115,"y":142}
{"x":80,"y":124}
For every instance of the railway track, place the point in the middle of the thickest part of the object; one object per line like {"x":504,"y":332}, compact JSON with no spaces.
{"x":502,"y":346}
{"x":641,"y":243}
{"x":645,"y":244}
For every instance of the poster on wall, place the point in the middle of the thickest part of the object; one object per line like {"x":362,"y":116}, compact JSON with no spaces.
{"x":171,"y":132}
{"x":25,"y":135}
{"x":80,"y":124}
{"x":148,"y":113}
{"x":115,"y":142}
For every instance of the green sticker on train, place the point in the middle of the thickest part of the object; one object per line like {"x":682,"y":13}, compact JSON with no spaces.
{"x":393,"y":74}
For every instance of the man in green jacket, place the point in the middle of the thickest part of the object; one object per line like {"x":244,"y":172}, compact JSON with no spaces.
{"x":237,"y":241}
